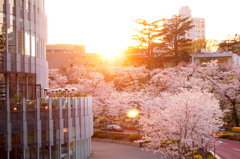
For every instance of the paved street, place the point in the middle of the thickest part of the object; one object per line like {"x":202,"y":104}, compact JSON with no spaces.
{"x":228,"y":149}
{"x":105,"y":150}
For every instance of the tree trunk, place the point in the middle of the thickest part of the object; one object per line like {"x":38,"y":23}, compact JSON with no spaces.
{"x":176,"y":52}
{"x":234,"y":114}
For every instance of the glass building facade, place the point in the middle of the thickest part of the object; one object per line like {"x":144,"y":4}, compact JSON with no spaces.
{"x":32,"y":127}
{"x":56,"y":128}
{"x":23,"y":65}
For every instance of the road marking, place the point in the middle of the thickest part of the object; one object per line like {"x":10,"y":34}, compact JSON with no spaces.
{"x":236,"y":149}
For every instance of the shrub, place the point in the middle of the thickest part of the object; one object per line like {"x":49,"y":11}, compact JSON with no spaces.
{"x":236,"y":129}
{"x":117,"y":136}
{"x":133,"y":137}
{"x":235,"y":137}
{"x":223,"y":136}
{"x":103,"y":136}
{"x":211,"y":157}
{"x":197,"y":156}
{"x":99,"y":134}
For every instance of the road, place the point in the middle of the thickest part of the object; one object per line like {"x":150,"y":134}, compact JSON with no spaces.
{"x":105,"y":150}
{"x":227,"y":149}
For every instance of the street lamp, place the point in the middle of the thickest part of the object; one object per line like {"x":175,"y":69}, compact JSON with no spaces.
{"x":134,"y":113}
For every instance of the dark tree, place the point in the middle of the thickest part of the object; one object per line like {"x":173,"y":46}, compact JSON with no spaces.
{"x":147,"y":37}
{"x":173,"y":36}
{"x":232,"y":44}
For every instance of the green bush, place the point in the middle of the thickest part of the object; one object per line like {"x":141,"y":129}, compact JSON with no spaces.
{"x":235,"y":137}
{"x":96,"y":133}
{"x":103,"y":136}
{"x":133,"y":137}
{"x":117,"y":136}
{"x":223,"y":136}
{"x":198,"y":156}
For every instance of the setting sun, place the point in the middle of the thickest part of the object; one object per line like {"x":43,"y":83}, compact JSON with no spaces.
{"x":106,"y":26}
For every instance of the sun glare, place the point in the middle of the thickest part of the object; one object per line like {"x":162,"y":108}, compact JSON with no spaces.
{"x":106,"y":27}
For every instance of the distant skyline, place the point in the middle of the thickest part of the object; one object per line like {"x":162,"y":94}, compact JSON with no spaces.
{"x":105,"y":26}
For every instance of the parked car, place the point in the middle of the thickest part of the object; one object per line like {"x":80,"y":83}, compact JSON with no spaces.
{"x":115,"y":128}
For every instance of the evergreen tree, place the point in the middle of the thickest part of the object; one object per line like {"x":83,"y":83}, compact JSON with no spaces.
{"x":173,"y":37}
{"x":232,"y":44}
{"x":147,"y":38}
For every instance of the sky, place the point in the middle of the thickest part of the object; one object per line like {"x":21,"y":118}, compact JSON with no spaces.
{"x":106,"y":26}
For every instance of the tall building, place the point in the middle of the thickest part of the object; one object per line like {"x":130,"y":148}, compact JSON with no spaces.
{"x":32,"y":127}
{"x":198,"y":31}
{"x":23,"y":65}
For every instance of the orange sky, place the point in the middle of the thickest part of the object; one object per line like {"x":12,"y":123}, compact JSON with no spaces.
{"x":104,"y":26}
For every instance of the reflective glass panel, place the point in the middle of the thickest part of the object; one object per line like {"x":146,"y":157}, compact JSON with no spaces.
{"x":12,"y":7}
{"x":12,"y":40}
{"x":20,"y":37}
{"x":2,"y":18}
{"x":2,"y":5}
{"x":27,"y":43}
{"x":33,"y":45}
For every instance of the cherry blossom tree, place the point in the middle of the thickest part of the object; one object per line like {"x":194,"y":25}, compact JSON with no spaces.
{"x":172,"y":79}
{"x":130,"y":78}
{"x":181,"y":122}
{"x":225,"y":82}
{"x":56,"y":79}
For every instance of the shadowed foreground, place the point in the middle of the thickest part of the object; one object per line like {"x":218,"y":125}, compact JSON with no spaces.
{"x":105,"y":150}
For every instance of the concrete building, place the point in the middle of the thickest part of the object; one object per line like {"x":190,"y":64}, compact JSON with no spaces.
{"x":198,"y":31}
{"x":62,"y":56}
{"x":32,"y":127}
{"x":222,"y":57}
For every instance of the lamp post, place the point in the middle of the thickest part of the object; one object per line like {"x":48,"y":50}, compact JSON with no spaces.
{"x":134,"y":113}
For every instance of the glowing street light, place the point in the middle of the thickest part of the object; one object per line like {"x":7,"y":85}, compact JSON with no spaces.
{"x":133,"y":113}
{"x":14,"y":108}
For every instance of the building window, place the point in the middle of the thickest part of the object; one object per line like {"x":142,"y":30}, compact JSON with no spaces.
{"x":20,"y":37}
{"x":20,"y":3}
{"x":27,"y":43}
{"x":2,"y":38}
{"x":13,"y":88}
{"x":12,"y":7}
{"x":12,"y":39}
{"x":2,"y":5}
{"x":2,"y":88}
{"x":28,"y":8}
{"x":33,"y":43}
{"x":2,"y":18}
